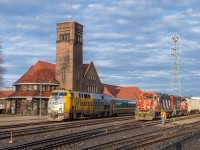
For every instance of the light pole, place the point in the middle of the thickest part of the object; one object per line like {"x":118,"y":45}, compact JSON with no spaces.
{"x":40,"y":99}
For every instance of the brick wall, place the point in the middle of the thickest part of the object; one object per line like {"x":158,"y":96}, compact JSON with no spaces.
{"x":69,"y":55}
{"x":91,"y":81}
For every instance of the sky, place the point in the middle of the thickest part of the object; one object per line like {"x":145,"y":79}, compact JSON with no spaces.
{"x":129,"y":41}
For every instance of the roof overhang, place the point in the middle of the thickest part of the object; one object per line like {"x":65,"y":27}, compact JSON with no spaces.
{"x":35,"y":83}
{"x":26,"y":97}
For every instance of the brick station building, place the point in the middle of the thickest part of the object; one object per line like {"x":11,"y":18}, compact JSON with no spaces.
{"x":69,"y":73}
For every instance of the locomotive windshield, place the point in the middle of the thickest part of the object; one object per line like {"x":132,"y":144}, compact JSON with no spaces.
{"x":59,"y":94}
{"x":151,"y":96}
{"x":145,"y":96}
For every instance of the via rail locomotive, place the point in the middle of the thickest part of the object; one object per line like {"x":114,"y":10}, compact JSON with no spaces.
{"x":150,"y":105}
{"x":68,"y":104}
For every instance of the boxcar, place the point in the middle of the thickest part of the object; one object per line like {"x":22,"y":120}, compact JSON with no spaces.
{"x":193,"y":105}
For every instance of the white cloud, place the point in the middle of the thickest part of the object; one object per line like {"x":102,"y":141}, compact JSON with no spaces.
{"x":122,"y":21}
{"x":128,"y":40}
{"x":108,"y":35}
{"x":195,"y":30}
{"x":105,"y":63}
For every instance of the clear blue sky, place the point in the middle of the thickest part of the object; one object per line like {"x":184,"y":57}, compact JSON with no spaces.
{"x":129,"y":41}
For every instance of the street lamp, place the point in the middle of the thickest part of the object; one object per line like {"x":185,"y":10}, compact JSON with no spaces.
{"x":41,"y":98}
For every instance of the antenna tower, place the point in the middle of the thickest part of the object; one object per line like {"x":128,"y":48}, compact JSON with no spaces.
{"x":176,"y":85}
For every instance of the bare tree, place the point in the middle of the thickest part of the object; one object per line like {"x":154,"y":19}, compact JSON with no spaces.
{"x":2,"y":69}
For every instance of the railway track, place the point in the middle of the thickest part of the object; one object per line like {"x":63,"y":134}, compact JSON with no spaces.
{"x":70,"y":140}
{"x":59,"y":126}
{"x":143,"y":141}
{"x":76,"y":137}
{"x":25,"y":125}
{"x":21,"y":125}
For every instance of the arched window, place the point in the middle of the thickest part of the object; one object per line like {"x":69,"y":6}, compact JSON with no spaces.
{"x":68,"y":36}
{"x":63,"y":73}
{"x":62,"y":38}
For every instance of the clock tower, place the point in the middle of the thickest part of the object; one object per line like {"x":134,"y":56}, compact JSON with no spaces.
{"x":69,"y":55}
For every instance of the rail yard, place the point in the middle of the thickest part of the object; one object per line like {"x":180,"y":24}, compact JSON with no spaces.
{"x":123,"y":132}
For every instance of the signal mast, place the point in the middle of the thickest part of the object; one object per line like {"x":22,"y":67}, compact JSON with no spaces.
{"x":176,"y":85}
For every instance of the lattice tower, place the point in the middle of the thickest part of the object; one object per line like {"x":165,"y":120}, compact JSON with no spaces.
{"x":176,"y":85}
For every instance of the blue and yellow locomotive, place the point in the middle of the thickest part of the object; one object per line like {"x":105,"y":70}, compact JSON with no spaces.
{"x":67,"y":104}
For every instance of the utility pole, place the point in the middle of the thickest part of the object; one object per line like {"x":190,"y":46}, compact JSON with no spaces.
{"x":40,"y":99}
{"x":176,"y":85}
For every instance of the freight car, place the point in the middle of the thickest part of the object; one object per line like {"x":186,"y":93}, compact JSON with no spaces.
{"x":68,"y":104}
{"x":193,"y":105}
{"x":150,"y":105}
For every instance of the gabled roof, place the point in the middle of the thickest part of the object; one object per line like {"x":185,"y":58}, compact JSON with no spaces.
{"x":5,"y":93}
{"x":41,"y":72}
{"x":85,"y":68}
{"x":122,"y":92}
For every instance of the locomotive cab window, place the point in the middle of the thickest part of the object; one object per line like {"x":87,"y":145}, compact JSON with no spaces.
{"x":55,"y":94}
{"x":72,"y":95}
{"x":155,"y":98}
{"x":146,"y":96}
{"x":151,"y":96}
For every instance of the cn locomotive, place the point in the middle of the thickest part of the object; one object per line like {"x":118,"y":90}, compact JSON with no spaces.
{"x":150,"y":104}
{"x":68,"y":104}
